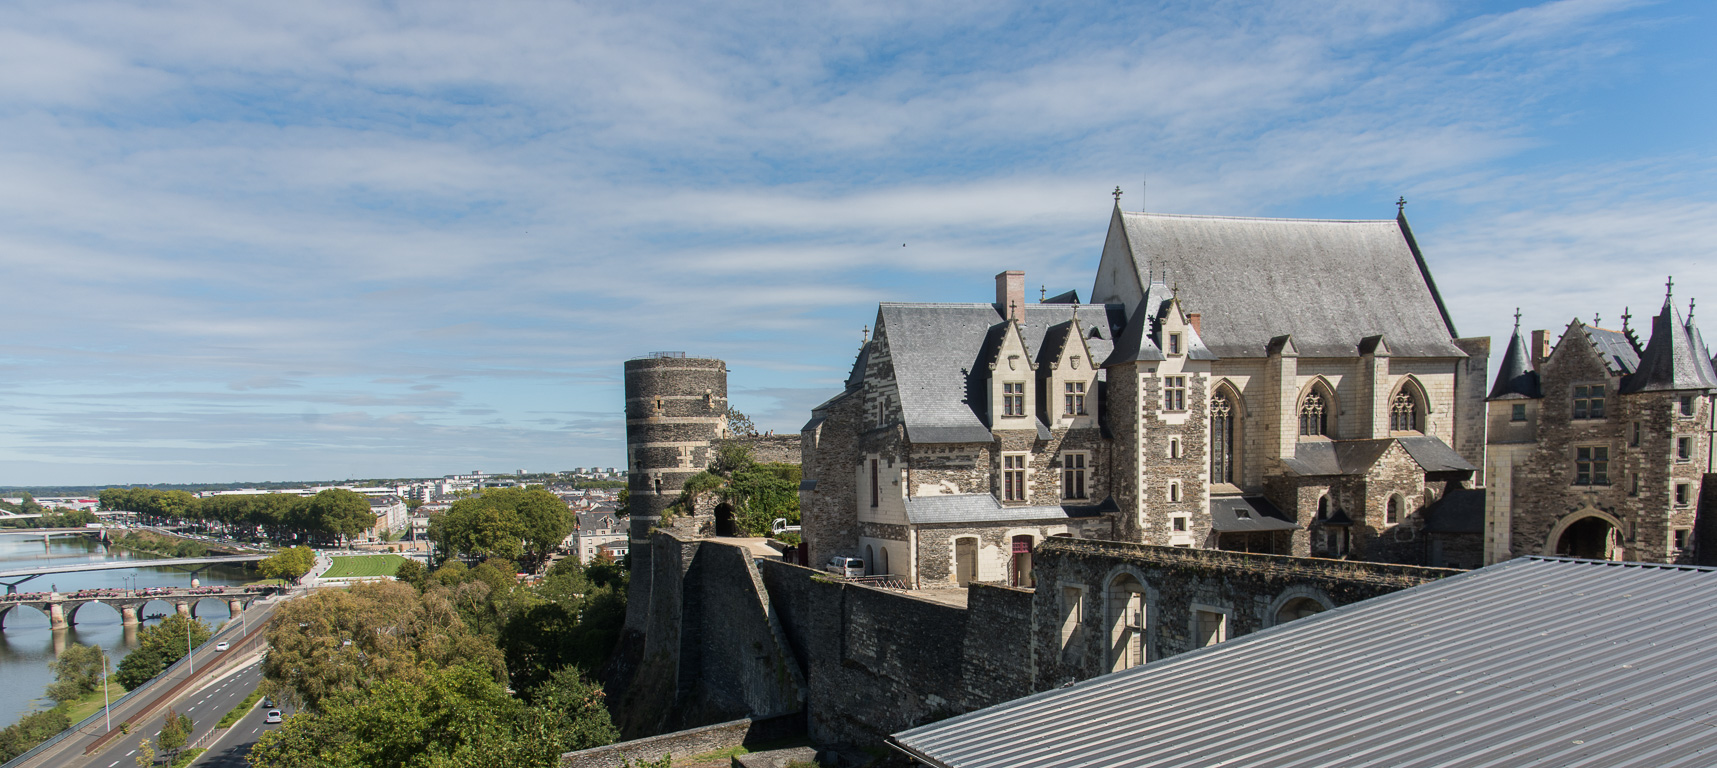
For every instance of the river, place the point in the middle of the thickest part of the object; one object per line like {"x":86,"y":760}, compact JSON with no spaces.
{"x":26,"y":642}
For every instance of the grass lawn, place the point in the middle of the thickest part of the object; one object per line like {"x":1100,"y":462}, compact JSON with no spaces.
{"x":363,"y":565}
{"x":91,"y":703}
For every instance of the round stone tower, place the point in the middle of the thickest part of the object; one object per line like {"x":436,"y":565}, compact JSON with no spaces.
{"x":676,"y":408}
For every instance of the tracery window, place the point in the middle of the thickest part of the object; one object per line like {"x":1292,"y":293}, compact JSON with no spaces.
{"x":1075,"y":398}
{"x":1314,"y":422}
{"x":1013,"y":477}
{"x":1013,"y":398}
{"x":1221,"y":440}
{"x":1404,"y":413}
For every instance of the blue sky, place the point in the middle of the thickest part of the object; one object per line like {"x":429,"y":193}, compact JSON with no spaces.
{"x":343,"y":239}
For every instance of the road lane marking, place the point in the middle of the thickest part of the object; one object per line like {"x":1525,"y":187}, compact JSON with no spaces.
{"x":132,"y":752}
{"x":114,"y":763}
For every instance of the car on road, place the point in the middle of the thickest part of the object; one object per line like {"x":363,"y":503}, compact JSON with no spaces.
{"x":222,"y":645}
{"x":273,"y":716}
{"x":847,"y":567}
{"x":267,"y":703}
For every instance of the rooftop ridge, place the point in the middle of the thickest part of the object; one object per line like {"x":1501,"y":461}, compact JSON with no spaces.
{"x":1390,"y":221}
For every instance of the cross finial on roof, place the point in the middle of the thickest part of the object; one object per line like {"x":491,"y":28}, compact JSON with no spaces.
{"x":1517,"y":318}
{"x":1176,"y":291}
{"x":1690,"y":310}
{"x":1400,"y":205}
{"x":1042,"y":293}
{"x":866,"y":339}
{"x":1596,"y":320}
{"x":1117,"y":194}
{"x":1013,"y":311}
{"x":1627,"y":314}
{"x":1669,"y":288}
{"x":1076,"y":312}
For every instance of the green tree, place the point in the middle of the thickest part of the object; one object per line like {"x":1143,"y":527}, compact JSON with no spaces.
{"x":159,"y":646}
{"x":414,"y":573}
{"x":342,"y":640}
{"x":509,"y":523}
{"x":77,"y":672}
{"x":339,"y":513}
{"x":176,"y":731}
{"x":290,"y":563}
{"x":30,"y":730}
{"x":739,"y":423}
{"x":145,"y":754}
{"x":30,"y":506}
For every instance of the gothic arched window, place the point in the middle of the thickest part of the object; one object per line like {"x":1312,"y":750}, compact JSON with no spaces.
{"x":1314,"y":419}
{"x":1404,"y":412}
{"x":1221,"y":440}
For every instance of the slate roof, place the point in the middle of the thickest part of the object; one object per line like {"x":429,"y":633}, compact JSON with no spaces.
{"x":1671,"y":361}
{"x":1617,"y":350}
{"x":1244,"y":514}
{"x":983,"y":508}
{"x":1326,"y":283}
{"x":940,"y":357}
{"x":1315,"y":458}
{"x":1528,"y":663}
{"x":1517,"y":378}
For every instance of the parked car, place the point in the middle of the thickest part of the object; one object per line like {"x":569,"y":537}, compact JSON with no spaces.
{"x":780,"y":526}
{"x":273,"y":716}
{"x":847,"y":567}
{"x":267,"y":703}
{"x":222,"y":645}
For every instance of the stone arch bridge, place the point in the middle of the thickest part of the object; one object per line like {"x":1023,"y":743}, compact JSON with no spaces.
{"x":62,"y":608}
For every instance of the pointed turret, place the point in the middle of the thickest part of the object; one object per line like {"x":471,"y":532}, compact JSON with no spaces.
{"x":1701,"y":353}
{"x":1671,"y":361}
{"x":1517,"y":377}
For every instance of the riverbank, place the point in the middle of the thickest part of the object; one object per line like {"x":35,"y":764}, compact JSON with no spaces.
{"x":159,"y":543}
{"x":39,"y":726}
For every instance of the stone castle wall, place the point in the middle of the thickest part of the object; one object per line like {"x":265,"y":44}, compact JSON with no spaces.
{"x":870,"y":661}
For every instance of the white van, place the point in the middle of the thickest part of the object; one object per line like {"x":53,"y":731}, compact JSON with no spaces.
{"x":780,"y":526}
{"x":847,"y":567}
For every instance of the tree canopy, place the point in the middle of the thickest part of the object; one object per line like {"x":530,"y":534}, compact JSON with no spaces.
{"x":158,"y":646}
{"x":758,"y":493}
{"x":508,"y":523}
{"x":77,"y":671}
{"x":290,"y":563}
{"x":325,"y":517}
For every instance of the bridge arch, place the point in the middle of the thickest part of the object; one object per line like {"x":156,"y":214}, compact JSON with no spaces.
{"x":7,"y":608}
{"x":219,"y":600}
{"x":159,"y":605}
{"x":72,"y":609}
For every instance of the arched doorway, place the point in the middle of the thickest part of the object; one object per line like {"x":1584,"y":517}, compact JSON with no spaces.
{"x":724,"y":520}
{"x":882,"y":564}
{"x":1591,"y":538}
{"x":1020,"y":566}
{"x":1125,"y":601}
{"x":965,"y":560}
{"x":1298,"y":608}
{"x":869,"y":560}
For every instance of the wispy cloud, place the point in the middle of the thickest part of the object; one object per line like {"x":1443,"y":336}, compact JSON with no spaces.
{"x":247,"y":241}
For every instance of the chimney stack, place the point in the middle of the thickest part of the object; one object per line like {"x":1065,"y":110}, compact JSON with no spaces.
{"x":1010,"y":294}
{"x":1540,"y":347}
{"x":1193,"y":319}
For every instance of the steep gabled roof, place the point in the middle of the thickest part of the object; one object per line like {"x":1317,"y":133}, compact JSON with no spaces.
{"x":939,"y":355}
{"x":1328,"y":283}
{"x":1671,"y":361}
{"x":1517,"y":377}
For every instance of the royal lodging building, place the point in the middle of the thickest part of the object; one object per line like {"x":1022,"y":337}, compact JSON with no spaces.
{"x":1599,"y":446}
{"x":1272,"y":385}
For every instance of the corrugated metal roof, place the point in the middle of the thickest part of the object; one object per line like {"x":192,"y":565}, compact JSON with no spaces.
{"x":1532,"y":662}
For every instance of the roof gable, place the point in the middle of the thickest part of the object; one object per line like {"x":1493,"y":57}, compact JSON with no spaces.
{"x":1328,"y":283}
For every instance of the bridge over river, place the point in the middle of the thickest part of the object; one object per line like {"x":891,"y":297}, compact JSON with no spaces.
{"x":62,"y":608}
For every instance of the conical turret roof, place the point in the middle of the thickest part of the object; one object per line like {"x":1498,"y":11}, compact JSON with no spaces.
{"x":1518,"y":377}
{"x":1672,"y":360}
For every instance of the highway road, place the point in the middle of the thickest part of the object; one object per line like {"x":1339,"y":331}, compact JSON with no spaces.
{"x":230,"y":749}
{"x":205,"y":706}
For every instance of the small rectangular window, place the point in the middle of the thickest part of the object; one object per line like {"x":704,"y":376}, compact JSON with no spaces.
{"x":1179,"y":524}
{"x":1681,"y":537}
{"x":1212,"y":628}
{"x":875,"y":485}
{"x":1174,"y":343}
{"x":1073,"y":476}
{"x":1634,"y":440}
{"x":1013,"y":398}
{"x":1687,"y":405}
{"x":1174,"y":393}
{"x":1684,"y":449}
{"x":1592,"y":466}
{"x":1174,"y":490}
{"x":1518,"y":413}
{"x":1683,"y":494}
{"x":1072,"y":614}
{"x":1075,"y":398}
{"x":1013,"y":477}
{"x":1174,"y":447}
{"x":1589,"y":402}
{"x":1633,"y":483}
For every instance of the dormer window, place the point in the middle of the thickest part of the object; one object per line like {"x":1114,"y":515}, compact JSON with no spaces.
{"x":1174,"y":343}
{"x":1075,"y":398}
{"x":1589,"y":402}
{"x":1013,"y":398}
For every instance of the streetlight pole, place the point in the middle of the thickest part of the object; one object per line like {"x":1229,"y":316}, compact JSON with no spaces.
{"x":106,"y":706}
{"x":190,"y":658}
